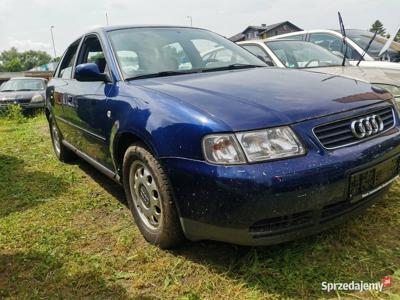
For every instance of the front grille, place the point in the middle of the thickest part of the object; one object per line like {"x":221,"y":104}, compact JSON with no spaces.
{"x":338,"y":134}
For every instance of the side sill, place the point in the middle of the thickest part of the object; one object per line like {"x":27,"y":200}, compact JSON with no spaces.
{"x":106,"y":171}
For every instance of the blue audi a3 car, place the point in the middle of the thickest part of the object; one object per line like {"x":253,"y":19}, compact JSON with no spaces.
{"x":220,"y":147}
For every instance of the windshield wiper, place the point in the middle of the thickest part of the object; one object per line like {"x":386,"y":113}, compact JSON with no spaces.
{"x":343,"y":32}
{"x":6,"y":90}
{"x":367,"y":47}
{"x":24,"y":90}
{"x":232,"y":67}
{"x":162,"y":74}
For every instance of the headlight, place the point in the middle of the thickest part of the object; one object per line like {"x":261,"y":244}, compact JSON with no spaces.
{"x":259,"y":145}
{"x":270,"y":144}
{"x":37,"y":98}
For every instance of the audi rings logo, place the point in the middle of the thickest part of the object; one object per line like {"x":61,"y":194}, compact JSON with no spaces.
{"x":366,"y":127}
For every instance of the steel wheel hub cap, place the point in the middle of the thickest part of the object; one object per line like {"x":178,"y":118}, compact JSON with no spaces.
{"x":145,"y":195}
{"x":56,"y":138}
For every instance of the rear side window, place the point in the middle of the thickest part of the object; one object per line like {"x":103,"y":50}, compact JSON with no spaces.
{"x":67,"y":63}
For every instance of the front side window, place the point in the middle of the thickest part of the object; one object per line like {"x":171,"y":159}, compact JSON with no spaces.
{"x":260,"y":53}
{"x":23,"y":85}
{"x":334,"y":44}
{"x":298,"y":54}
{"x":362,"y":38}
{"x":67,"y":62}
{"x":92,"y":52}
{"x":156,"y":50}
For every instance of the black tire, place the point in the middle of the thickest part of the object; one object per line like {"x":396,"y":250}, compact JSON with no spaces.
{"x":61,"y":152}
{"x":163,"y":230}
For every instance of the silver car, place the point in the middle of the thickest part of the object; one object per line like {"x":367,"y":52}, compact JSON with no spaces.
{"x":306,"y":55}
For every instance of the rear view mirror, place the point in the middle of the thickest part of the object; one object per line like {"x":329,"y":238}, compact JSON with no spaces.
{"x":90,"y":72}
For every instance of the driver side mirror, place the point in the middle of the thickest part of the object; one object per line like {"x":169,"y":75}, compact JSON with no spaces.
{"x":90,"y":72}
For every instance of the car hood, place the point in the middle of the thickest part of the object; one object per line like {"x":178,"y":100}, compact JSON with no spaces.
{"x":377,"y":64}
{"x":19,"y":95}
{"x":264,"y":97}
{"x":371,"y":75}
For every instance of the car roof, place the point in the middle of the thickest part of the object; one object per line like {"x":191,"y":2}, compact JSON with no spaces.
{"x":119,"y":27}
{"x":26,"y":78}
{"x":270,"y":41}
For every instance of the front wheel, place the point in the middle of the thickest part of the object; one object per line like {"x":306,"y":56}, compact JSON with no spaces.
{"x":149,"y":197}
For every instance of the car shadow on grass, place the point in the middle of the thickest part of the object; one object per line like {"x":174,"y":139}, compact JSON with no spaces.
{"x":363,"y":249}
{"x":34,"y":275}
{"x":111,"y":187}
{"x":21,"y":189}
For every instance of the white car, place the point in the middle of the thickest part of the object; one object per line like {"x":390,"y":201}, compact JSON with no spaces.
{"x":305,"y":55}
{"x":357,"y":41}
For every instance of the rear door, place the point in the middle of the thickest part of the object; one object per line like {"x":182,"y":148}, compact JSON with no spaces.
{"x":61,"y":91}
{"x":90,"y":114}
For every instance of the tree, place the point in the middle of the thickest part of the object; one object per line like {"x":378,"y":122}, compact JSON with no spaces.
{"x":397,"y":38}
{"x":378,"y":27}
{"x":13,"y":61}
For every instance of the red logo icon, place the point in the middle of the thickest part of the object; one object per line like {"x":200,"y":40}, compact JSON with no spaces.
{"x":387,"y":281}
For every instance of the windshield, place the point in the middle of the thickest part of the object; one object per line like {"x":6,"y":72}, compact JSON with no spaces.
{"x":144,"y":51}
{"x":299,"y":54}
{"x":23,"y":85}
{"x":362,"y":38}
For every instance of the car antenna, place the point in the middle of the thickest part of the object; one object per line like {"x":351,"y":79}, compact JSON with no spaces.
{"x":343,"y":32}
{"x":367,"y":47}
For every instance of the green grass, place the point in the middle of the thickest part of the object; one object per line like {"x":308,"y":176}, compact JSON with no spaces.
{"x":65,"y":232}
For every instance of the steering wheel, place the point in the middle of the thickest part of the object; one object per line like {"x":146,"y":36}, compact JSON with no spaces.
{"x":310,"y":61}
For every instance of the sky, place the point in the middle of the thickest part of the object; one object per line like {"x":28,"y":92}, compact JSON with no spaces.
{"x":26,"y":24}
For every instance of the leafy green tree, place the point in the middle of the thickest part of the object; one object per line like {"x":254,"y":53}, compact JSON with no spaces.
{"x":378,"y":27}
{"x":13,"y":65}
{"x":13,"y":61}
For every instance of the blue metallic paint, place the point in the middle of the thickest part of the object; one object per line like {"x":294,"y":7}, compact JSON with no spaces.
{"x":172,"y":115}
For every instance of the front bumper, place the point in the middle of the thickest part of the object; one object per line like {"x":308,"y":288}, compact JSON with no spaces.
{"x":273,"y":202}
{"x":24,"y":106}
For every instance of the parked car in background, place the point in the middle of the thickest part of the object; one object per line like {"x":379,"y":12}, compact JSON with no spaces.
{"x":305,"y":55}
{"x":222,"y":149}
{"x":357,"y":41}
{"x":27,"y":92}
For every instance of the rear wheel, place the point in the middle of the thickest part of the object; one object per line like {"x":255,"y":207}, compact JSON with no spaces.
{"x":149,"y":197}
{"x":62,"y":152}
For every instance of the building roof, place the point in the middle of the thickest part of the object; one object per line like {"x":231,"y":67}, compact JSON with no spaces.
{"x":273,"y":26}
{"x":261,"y":29}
